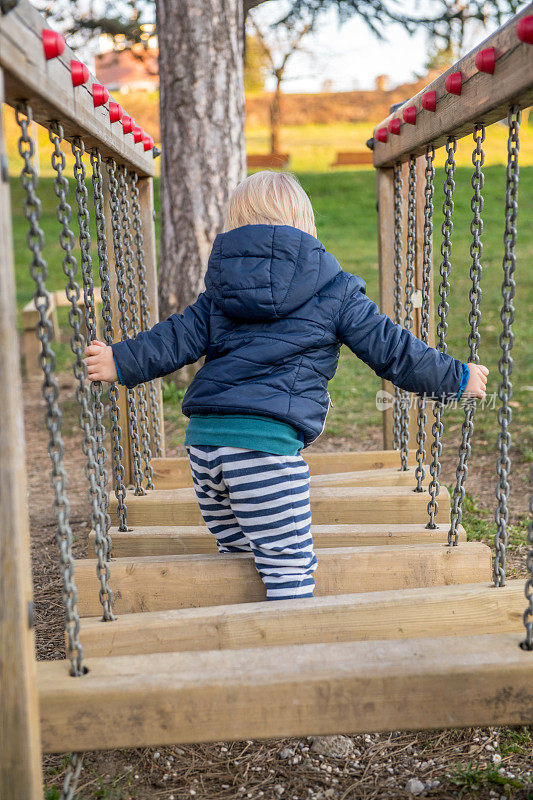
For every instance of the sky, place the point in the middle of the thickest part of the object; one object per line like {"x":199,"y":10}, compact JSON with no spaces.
{"x":351,"y":57}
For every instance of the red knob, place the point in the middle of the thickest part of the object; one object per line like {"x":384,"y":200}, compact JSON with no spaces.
{"x":53,"y":43}
{"x":486,"y":59}
{"x":127,"y":124}
{"x":394,"y":126}
{"x":382,"y":135}
{"x":524,"y":29}
{"x":116,"y":112}
{"x":454,"y":83}
{"x":100,"y":95}
{"x":79,"y":73}
{"x":429,"y":101}
{"x":138,"y":134}
{"x":409,"y":115}
{"x":148,"y":143}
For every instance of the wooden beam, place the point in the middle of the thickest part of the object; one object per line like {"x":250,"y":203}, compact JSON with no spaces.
{"x":388,"y":476}
{"x":20,"y":746}
{"x":155,"y":583}
{"x":408,"y":613}
{"x":329,"y":505}
{"x":385,"y":207}
{"x":385,"y":223}
{"x":348,"y":687}
{"x":159,"y":540}
{"x":175,"y":473}
{"x":484,"y":98}
{"x":47,"y":87}
{"x":146,"y":201}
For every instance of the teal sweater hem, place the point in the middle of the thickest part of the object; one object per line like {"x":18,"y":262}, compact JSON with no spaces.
{"x":264,"y":434}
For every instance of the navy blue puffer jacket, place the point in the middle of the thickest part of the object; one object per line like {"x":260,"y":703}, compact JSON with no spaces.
{"x":276,"y":309}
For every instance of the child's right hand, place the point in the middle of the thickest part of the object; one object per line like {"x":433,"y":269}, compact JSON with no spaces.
{"x":477,"y":381}
{"x":100,"y":362}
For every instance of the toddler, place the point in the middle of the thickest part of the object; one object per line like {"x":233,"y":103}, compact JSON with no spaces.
{"x":270,"y":323}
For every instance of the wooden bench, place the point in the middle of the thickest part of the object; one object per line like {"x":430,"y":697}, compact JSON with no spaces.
{"x":267,"y":160}
{"x":355,"y":157}
{"x":31,"y":346}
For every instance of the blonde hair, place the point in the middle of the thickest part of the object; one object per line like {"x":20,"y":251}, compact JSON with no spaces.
{"x":270,"y":198}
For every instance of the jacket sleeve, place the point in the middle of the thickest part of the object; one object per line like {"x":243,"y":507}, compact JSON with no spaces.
{"x":181,"y":339}
{"x":393,"y":352}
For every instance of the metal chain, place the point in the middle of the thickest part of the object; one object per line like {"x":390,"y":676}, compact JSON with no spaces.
{"x":408,"y":303}
{"x":398,"y":233}
{"x":143,"y":325}
{"x":145,"y":308}
{"x":123,"y":305}
{"x":474,"y":317}
{"x":109,"y":335}
{"x":134,"y":328}
{"x":50,"y":389}
{"x":72,"y":776}
{"x":442,"y":325}
{"x":429,"y":191}
{"x":94,"y":469}
{"x":77,"y":344}
{"x":505,"y":390}
{"x":527,"y":644}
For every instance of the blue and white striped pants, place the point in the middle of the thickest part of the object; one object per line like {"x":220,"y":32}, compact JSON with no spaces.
{"x":257,"y":502}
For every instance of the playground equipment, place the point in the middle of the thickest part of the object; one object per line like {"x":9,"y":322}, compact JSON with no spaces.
{"x":166,"y":640}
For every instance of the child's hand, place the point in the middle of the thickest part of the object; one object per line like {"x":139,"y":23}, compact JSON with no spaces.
{"x":100,"y":362}
{"x":477,"y":381}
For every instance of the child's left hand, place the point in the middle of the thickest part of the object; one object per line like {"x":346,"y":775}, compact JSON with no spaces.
{"x":100,"y":362}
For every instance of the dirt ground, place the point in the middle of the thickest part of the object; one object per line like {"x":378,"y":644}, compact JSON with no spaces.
{"x":481,"y":763}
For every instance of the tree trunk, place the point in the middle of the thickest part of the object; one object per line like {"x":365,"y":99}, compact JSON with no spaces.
{"x":202,"y":134}
{"x":275,"y":119}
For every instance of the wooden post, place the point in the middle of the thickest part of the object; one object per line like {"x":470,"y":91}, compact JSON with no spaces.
{"x":122,"y":402}
{"x":385,"y":199}
{"x":20,"y":742}
{"x":146,"y":201}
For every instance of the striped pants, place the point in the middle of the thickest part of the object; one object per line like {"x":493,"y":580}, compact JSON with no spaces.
{"x":259,"y":503}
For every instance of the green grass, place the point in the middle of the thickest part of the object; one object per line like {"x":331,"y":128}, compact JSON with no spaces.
{"x":312,"y":148}
{"x":472,"y":777}
{"x":479,"y":523}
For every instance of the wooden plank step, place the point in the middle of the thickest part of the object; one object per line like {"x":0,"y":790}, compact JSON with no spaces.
{"x":388,"y":476}
{"x":159,"y":540}
{"x":329,"y":505}
{"x":175,"y":473}
{"x":437,"y":611}
{"x":298,"y":690}
{"x":154,"y":583}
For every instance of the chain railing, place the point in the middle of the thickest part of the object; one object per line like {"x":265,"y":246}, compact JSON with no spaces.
{"x":427,"y":263}
{"x":109,"y":335}
{"x":50,"y":388}
{"x":145,"y":319}
{"x":408,"y":302}
{"x":505,"y":365}
{"x":476,"y":250}
{"x":442,"y":324}
{"x":398,"y":293}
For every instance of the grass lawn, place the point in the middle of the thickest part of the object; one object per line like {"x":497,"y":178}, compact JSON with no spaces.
{"x":313,"y":147}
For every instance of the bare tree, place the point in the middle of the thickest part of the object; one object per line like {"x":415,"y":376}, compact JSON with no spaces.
{"x":279,"y":44}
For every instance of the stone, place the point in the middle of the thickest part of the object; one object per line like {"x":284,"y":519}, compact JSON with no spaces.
{"x":287,"y":752}
{"x":414,"y":786}
{"x":337,"y":746}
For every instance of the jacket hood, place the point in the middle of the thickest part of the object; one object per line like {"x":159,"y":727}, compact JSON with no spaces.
{"x":262,"y":272}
